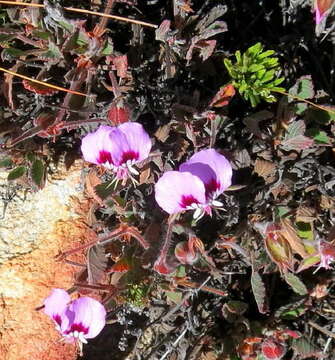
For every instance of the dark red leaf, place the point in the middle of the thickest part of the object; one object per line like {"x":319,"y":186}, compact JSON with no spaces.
{"x":37,"y":88}
{"x":273,"y":350}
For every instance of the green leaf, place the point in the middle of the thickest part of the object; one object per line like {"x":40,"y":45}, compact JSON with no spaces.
{"x":11,"y":53}
{"x":16,"y":173}
{"x":108,"y":48}
{"x":305,"y":348}
{"x":259,"y":292}
{"x":44,"y":35}
{"x":4,"y":38}
{"x":66,"y":25}
{"x":300,"y":108}
{"x":30,"y":157}
{"x":53,"y":52}
{"x":303,"y":88}
{"x":180,"y":272}
{"x":5,"y":163}
{"x":296,"y":284}
{"x":309,"y":262}
{"x":319,"y":136}
{"x":175,"y":296}
{"x":104,"y":190}
{"x":38,"y":173}
{"x":305,"y":230}
{"x":294,"y":129}
{"x":281,"y":211}
{"x":293,"y":313}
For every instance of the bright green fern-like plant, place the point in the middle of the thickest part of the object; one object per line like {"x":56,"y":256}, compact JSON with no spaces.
{"x":255,"y":74}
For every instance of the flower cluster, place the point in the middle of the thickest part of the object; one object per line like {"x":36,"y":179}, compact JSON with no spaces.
{"x":117,"y":148}
{"x":196,"y":185}
{"x":80,"y":319}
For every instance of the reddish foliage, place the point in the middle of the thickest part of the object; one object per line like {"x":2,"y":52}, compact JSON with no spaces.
{"x":118,"y":115}
{"x":273,"y":350}
{"x":223,"y":96}
{"x":37,"y":88}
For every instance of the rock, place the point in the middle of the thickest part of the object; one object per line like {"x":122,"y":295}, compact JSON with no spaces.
{"x":33,"y":233}
{"x":26,"y":221}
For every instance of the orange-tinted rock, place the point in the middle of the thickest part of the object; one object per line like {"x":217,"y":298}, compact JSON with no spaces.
{"x":25,"y":333}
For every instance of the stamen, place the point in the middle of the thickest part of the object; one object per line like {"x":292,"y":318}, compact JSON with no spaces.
{"x":198,"y":213}
{"x":82,"y":338}
{"x":132,"y":170}
{"x":217,"y":203}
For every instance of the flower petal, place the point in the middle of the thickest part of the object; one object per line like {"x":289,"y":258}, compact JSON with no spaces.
{"x":96,"y":146}
{"x":212,"y":168}
{"x":176,"y":191}
{"x":322,"y":9}
{"x":137,"y":138}
{"x":55,"y":305}
{"x":87,"y":316}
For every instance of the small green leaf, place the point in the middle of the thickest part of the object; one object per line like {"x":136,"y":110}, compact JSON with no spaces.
{"x":296,"y":284}
{"x":44,"y":35}
{"x":259,"y":292}
{"x":7,"y":162}
{"x":4,"y":38}
{"x":305,"y":230}
{"x":11,"y":53}
{"x":16,"y":173}
{"x":305,"y":348}
{"x":303,"y":88}
{"x":293,"y":313}
{"x":309,"y":262}
{"x":180,"y":272}
{"x":281,"y":211}
{"x":38,"y":173}
{"x":104,"y":190}
{"x":30,"y":157}
{"x":53,"y":52}
{"x":175,"y":296}
{"x":66,"y":25}
{"x":319,"y":136}
{"x":108,"y":48}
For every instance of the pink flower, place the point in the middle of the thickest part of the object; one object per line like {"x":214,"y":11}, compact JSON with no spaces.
{"x":79,"y":319}
{"x":326,"y":253}
{"x":196,"y":185}
{"x":322,"y":8}
{"x":117,"y":148}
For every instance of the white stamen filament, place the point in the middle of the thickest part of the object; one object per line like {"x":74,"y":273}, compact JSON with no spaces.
{"x":217,"y":203}
{"x":132,"y":170}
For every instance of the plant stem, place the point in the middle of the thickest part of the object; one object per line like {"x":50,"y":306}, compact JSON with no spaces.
{"x":324,"y":108}
{"x":42,"y":82}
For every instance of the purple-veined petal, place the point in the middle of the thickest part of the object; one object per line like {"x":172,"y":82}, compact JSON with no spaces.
{"x":87,"y":317}
{"x":129,"y":142}
{"x":138,"y":139}
{"x":96,"y":147}
{"x":177,"y":191}
{"x":212,"y":168}
{"x":55,"y":306}
{"x":120,"y":149}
